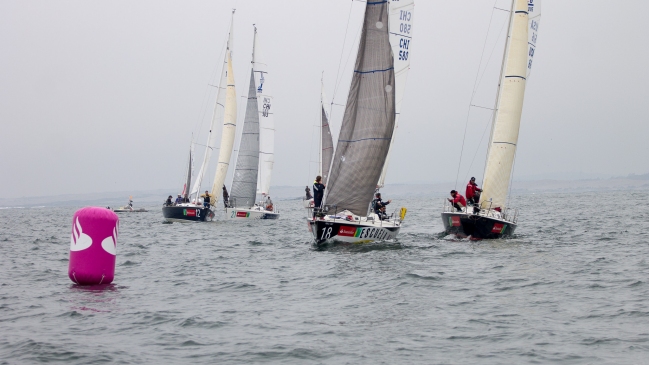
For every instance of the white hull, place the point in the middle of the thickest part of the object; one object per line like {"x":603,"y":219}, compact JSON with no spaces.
{"x":348,"y":228}
{"x":250,"y":213}
{"x":307,"y":203}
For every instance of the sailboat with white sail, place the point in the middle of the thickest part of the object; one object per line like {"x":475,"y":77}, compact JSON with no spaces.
{"x":255,"y":158}
{"x":367,"y":131}
{"x":326,"y":144}
{"x":225,"y":112}
{"x":493,"y":218}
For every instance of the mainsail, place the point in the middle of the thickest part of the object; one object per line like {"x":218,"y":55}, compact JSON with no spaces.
{"x":266,"y":122}
{"x":217,"y":118}
{"x":244,"y":183}
{"x":401,"y":20}
{"x":369,"y":119}
{"x":229,"y":131}
{"x":517,"y":63}
{"x":326,"y":142}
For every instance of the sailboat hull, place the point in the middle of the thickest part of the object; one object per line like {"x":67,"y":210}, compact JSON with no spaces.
{"x":189,"y":213}
{"x":254,"y":213}
{"x":477,"y":226}
{"x":325,"y":231}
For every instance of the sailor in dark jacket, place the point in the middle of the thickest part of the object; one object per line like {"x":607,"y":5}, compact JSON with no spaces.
{"x":318,"y":191}
{"x":377,"y":203}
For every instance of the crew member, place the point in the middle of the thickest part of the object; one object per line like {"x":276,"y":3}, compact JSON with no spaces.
{"x":318,"y":192}
{"x":179,"y":200}
{"x":308,"y":193}
{"x":206,"y":199}
{"x":169,"y":202}
{"x":226,"y":197}
{"x":377,"y":203}
{"x":458,"y":200}
{"x":473,"y":192}
{"x":269,"y":204}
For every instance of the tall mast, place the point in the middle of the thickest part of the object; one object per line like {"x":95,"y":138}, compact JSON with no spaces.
{"x":509,"y":108}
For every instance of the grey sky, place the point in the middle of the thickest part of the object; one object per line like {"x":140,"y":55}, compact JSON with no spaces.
{"x":104,"y":96}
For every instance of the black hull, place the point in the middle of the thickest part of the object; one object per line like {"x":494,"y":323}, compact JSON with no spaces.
{"x":339,"y":231}
{"x":476,"y":226}
{"x":187,"y":214}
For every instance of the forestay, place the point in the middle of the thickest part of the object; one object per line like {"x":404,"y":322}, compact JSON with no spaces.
{"x":266,"y":122}
{"x":369,"y":119}
{"x":217,"y":119}
{"x":401,"y":21}
{"x":244,"y":183}
{"x":517,"y":64}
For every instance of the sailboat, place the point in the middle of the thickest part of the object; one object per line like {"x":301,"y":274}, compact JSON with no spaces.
{"x":494,"y":218}
{"x":365,"y":139}
{"x":225,"y":113}
{"x":326,"y":149}
{"x":255,"y":158}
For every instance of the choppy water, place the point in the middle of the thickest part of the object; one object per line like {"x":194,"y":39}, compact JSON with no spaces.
{"x":571,"y":288}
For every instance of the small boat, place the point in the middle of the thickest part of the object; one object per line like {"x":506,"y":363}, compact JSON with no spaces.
{"x":189,"y":209}
{"x":493,"y":218}
{"x":255,"y":158}
{"x":369,"y":122}
{"x":128,"y":208}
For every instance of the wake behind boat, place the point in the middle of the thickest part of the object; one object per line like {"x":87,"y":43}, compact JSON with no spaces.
{"x":367,"y":131}
{"x":492,"y":218}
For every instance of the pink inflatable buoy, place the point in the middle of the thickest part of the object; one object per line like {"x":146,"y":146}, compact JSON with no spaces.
{"x":93,"y":246}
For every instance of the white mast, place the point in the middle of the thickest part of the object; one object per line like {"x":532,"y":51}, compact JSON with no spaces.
{"x":218,"y":114}
{"x":519,"y":50}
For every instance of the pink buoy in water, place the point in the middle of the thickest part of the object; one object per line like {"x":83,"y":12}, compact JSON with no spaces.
{"x":93,"y":246}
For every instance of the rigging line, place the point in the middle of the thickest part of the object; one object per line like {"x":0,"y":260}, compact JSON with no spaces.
{"x":490,"y":56}
{"x":475,"y":83}
{"x":342,"y":51}
{"x":478,"y":147}
{"x":313,"y":129}
{"x":349,"y":56}
{"x":201,"y":120}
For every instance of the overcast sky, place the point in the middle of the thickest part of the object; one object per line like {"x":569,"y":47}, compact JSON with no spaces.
{"x":105,"y":95}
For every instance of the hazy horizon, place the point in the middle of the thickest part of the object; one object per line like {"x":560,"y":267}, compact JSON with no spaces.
{"x":106,"y":96}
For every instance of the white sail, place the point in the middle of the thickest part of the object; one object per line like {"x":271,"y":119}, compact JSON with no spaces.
{"x":509,"y":106}
{"x":401,"y":21}
{"x":229,"y":131}
{"x":217,"y":116}
{"x":266,"y":122}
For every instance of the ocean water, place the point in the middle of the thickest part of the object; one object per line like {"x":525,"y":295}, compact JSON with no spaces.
{"x":572,"y":287}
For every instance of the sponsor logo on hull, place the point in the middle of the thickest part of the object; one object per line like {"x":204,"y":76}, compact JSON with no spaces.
{"x":243,"y":214}
{"x":189,"y":212}
{"x":499,"y":228}
{"x":355,"y":234}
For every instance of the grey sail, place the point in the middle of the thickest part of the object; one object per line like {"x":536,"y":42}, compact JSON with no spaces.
{"x":327,"y":144}
{"x":244,"y":184}
{"x":188,"y":182}
{"x":368,"y":122}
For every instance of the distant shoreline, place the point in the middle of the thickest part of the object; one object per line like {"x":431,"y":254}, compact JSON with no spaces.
{"x":157,"y":196}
